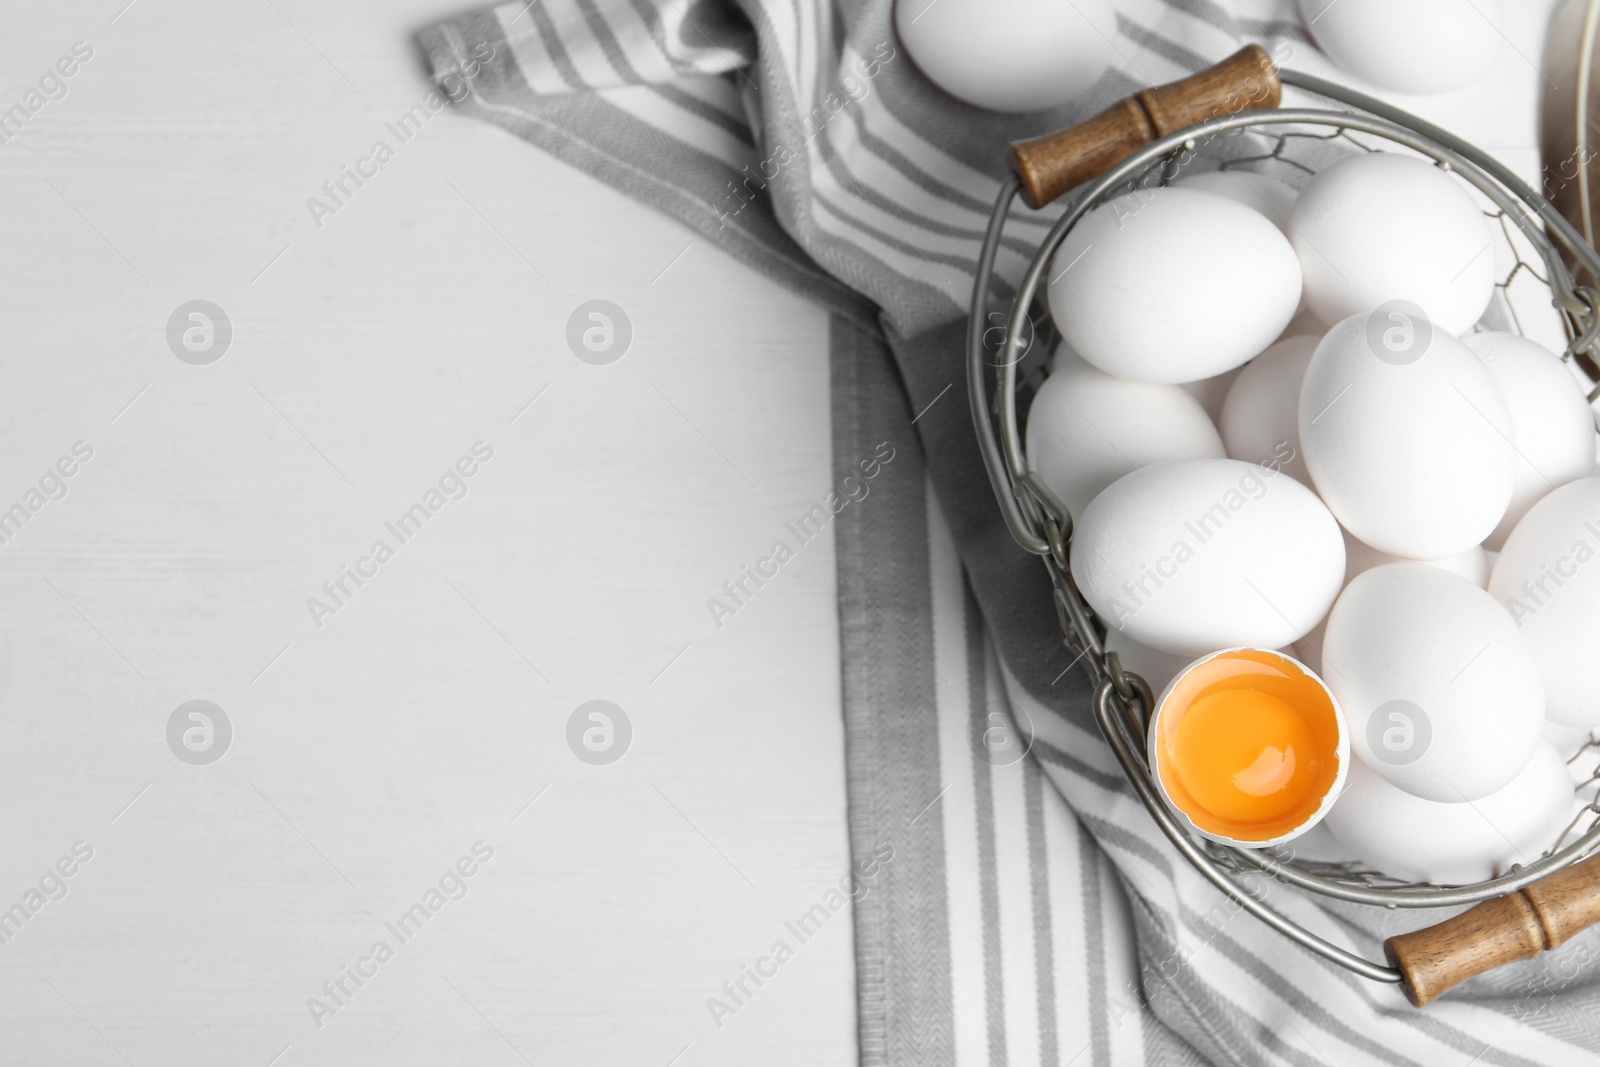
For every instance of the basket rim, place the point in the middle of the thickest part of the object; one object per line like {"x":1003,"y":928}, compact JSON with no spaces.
{"x":1043,"y":527}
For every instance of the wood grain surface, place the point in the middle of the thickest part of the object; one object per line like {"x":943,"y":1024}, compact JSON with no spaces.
{"x":1518,"y":926}
{"x":1053,"y":163}
{"x":430,"y":711}
{"x":370,"y":754}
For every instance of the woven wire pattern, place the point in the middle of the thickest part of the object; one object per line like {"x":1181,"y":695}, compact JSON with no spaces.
{"x":1523,"y":303}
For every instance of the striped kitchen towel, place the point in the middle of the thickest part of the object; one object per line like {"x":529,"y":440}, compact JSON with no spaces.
{"x":1033,"y":914}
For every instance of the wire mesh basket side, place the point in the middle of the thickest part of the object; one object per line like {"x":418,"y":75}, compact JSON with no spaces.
{"x":1303,"y":140}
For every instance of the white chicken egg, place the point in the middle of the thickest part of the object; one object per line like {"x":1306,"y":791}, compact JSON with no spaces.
{"x":1473,"y":564}
{"x":1454,"y":844}
{"x":1267,"y":196}
{"x":1260,"y":420}
{"x":1377,"y":227}
{"x":1212,"y":391}
{"x":1086,"y":429}
{"x":1550,"y":420}
{"x":1194,"y":555}
{"x":1413,"y":46}
{"x":978,"y":52}
{"x":1441,"y":692}
{"x":1548,"y":578}
{"x":1172,"y":285}
{"x":1406,"y":436}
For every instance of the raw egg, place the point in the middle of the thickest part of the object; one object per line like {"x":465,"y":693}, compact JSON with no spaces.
{"x":1407,"y":437}
{"x":1548,"y":579}
{"x":1086,"y":429}
{"x":1249,"y":746}
{"x":973,"y":50}
{"x":1268,"y":196}
{"x":1192,"y":555}
{"x":1173,"y":285}
{"x":1442,"y":693}
{"x":1260,"y":419}
{"x":1550,"y":419}
{"x":1408,"y":837}
{"x":1378,"y":227}
{"x":1416,"y":46}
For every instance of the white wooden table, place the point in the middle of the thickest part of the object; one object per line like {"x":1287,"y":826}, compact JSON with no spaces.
{"x":430,"y":711}
{"x":424,"y":715}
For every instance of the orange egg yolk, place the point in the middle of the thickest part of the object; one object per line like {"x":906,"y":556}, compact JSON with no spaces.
{"x":1247,"y":745}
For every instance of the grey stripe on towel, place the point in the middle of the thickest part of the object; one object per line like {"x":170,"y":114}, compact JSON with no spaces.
{"x":873,"y":209}
{"x":891,"y":740}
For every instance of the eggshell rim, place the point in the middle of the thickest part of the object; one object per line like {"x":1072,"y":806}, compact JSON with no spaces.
{"x":1342,"y":750}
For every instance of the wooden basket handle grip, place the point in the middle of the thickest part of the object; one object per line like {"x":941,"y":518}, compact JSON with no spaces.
{"x":1517,"y":926}
{"x":1054,"y":163}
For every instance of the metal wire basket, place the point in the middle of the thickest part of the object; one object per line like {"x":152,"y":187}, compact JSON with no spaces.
{"x":1200,"y":123}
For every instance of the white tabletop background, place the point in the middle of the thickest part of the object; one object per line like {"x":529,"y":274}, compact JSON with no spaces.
{"x":378,"y":749}
{"x":372,"y":752}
